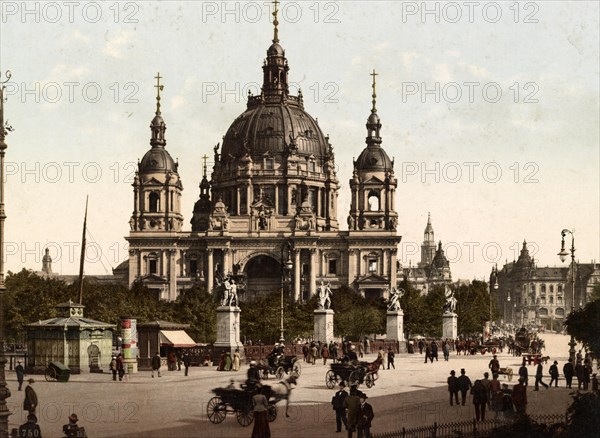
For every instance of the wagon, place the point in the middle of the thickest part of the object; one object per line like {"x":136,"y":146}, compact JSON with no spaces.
{"x":279,"y":367}
{"x":57,"y":372}
{"x":234,"y":401}
{"x":350,"y":374}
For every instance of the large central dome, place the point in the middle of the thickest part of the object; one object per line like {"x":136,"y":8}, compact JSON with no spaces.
{"x":272,"y":124}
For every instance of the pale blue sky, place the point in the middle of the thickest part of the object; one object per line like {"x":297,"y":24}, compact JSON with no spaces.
{"x":331,"y":47}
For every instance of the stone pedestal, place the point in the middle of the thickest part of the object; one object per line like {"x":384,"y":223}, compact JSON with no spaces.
{"x":450,"y":325}
{"x":395,"y":325}
{"x":228,"y":330}
{"x":323,"y":325}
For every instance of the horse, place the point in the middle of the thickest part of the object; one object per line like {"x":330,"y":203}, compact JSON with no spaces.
{"x":282,"y":391}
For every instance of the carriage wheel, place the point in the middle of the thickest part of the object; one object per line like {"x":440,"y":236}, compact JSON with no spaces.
{"x":51,"y":375}
{"x":354,"y":378}
{"x":331,"y":379}
{"x":272,"y":413}
{"x":216,"y":410}
{"x":244,"y":417}
{"x":297,"y":369}
{"x":279,"y":373}
{"x":369,"y":380}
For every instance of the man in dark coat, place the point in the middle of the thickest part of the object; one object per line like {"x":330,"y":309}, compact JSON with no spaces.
{"x":428,"y":353}
{"x":519,"y":397}
{"x":31,"y":428}
{"x":366,"y":417}
{"x":31,"y":401}
{"x":569,"y":372}
{"x":579,"y":373}
{"x":453,"y":387}
{"x":338,"y":406}
{"x":434,"y":351}
{"x":20,"y":374}
{"x":523,"y":373}
{"x":121,"y":366}
{"x":187,"y":361}
{"x":352,"y":406}
{"x":464,"y":383}
{"x":480,"y":399}
{"x":539,"y":373}
{"x":494,"y":365}
{"x":554,"y":374}
{"x":252,"y":376}
{"x":156,"y":360}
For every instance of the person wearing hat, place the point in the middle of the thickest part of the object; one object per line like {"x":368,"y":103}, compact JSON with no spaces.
{"x":539,"y":373}
{"x":494,"y":365}
{"x":31,"y":428}
{"x":113,"y":367}
{"x":453,"y":387}
{"x":252,"y":376}
{"x":337,"y":401}
{"x":519,"y":397}
{"x":31,"y":401}
{"x":553,"y":371}
{"x":569,"y":372}
{"x":594,"y":383}
{"x":464,"y":383}
{"x":353,"y":409}
{"x":156,"y":362}
{"x":20,"y":371}
{"x":366,"y":417}
{"x":72,"y":430}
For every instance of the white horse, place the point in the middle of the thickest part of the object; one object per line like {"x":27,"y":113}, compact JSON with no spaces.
{"x":282,"y":391}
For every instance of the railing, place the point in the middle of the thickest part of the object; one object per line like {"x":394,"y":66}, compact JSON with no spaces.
{"x":463,"y":429}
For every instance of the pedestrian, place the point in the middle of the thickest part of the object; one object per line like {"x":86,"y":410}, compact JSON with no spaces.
{"x":594,"y":383}
{"x":352,"y":406}
{"x":227,"y":361}
{"x":113,"y":368}
{"x":539,"y":373}
{"x":453,"y":387}
{"x":120,"y":367}
{"x":428,"y":353}
{"x":554,"y":374}
{"x":156,"y":362}
{"x":71,"y":430}
{"x":487,"y":382}
{"x":261,"y":414}
{"x":361,"y":349}
{"x":494,"y":365}
{"x":390,"y":358}
{"x":365,"y":418}
{"x":579,"y":373}
{"x":178,"y":358}
{"x":380,"y":358}
{"x":495,"y":395}
{"x":446,"y":350}
{"x":519,"y":397}
{"x":337,"y":401}
{"x":236,"y":360}
{"x":252,"y":376}
{"x":172,"y":359}
{"x":587,"y":372}
{"x":480,"y":399}
{"x":507,"y":403}
{"x":31,"y":401}
{"x":569,"y":372}
{"x":367,"y":346}
{"x":464,"y":383}
{"x":434,"y":351}
{"x":313,"y":353}
{"x":305,"y":351}
{"x":325,"y":353}
{"x":187,"y":362}
{"x":20,"y":371}
{"x":421,"y":346}
{"x":523,"y":373}
{"x":31,"y":428}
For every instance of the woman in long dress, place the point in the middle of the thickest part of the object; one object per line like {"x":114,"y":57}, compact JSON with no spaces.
{"x":261,"y":415}
{"x":236,"y":360}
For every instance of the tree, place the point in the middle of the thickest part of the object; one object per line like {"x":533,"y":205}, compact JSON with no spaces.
{"x":195,"y":306}
{"x":473,"y":307}
{"x":584,"y":325}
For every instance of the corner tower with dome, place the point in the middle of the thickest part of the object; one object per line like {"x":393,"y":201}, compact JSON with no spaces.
{"x":272,"y":199}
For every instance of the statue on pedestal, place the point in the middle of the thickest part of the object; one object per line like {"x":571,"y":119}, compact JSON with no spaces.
{"x":450,"y":305}
{"x":394,"y":301}
{"x":324,"y":295}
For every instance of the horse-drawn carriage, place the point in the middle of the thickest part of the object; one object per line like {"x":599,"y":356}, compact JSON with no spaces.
{"x":352,"y":373}
{"x":238,"y":401}
{"x":279,"y":366}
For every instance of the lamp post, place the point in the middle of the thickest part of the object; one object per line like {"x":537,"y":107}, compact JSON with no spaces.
{"x":563,"y":254}
{"x":4,"y":391}
{"x":285,"y":268}
{"x":495,"y":287}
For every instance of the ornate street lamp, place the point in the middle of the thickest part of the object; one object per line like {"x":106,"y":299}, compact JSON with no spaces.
{"x":286,"y":267}
{"x":563,"y":254}
{"x":4,"y":391}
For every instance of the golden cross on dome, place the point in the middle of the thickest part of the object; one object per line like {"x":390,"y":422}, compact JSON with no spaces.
{"x":374,"y":91}
{"x":159,"y":88}
{"x":275,"y":22}
{"x":204,"y":159}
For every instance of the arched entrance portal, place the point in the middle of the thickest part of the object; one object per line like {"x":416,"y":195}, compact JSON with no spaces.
{"x":263,"y":275}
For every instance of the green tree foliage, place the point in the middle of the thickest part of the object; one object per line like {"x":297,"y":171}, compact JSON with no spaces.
{"x":260,"y":318}
{"x":195,"y":306}
{"x":584,"y":325}
{"x":583,"y":416}
{"x":473,"y":307}
{"x":413,"y":305}
{"x":355,"y":316}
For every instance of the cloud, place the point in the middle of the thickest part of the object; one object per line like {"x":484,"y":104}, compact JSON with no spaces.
{"x":117,"y":43}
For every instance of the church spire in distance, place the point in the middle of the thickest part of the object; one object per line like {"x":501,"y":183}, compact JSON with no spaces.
{"x":275,"y":68}
{"x":275,"y":21}
{"x":373,"y":122}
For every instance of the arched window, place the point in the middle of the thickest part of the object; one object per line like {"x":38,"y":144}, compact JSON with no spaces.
{"x":154,"y":201}
{"x":373,"y":200}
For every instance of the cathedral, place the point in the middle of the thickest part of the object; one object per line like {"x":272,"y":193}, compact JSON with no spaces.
{"x":266,"y":216}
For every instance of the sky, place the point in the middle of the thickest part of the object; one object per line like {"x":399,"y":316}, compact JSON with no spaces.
{"x":490,"y":110}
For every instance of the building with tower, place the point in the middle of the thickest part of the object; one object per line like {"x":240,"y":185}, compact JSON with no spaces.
{"x":433,"y":269}
{"x":272,"y":196}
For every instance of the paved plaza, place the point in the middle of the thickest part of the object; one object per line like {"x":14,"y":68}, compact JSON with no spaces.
{"x":175,"y":406}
